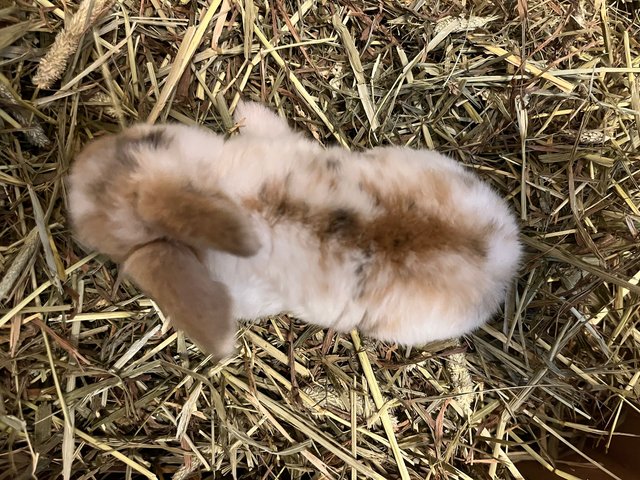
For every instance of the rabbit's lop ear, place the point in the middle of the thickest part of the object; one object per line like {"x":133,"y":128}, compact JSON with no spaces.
{"x":257,"y":120}
{"x":195,"y":218}
{"x":172,"y":275}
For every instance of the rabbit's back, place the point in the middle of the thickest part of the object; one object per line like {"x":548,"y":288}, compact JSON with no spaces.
{"x":407,"y":245}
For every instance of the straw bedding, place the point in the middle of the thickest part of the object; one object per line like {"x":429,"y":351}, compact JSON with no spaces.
{"x":541,"y":97}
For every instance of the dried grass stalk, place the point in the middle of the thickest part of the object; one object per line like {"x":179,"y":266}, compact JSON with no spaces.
{"x":32,"y":128}
{"x":542,"y":101}
{"x":53,"y":64}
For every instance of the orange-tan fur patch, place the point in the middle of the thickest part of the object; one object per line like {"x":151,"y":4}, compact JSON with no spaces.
{"x":196,"y":218}
{"x":172,"y":275}
{"x":400,"y":229}
{"x":398,"y":247}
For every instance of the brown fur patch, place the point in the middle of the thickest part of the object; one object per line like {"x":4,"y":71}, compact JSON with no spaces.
{"x":111,"y":156}
{"x":401,"y":229}
{"x":402,"y":240}
{"x":195,"y":218}
{"x":342,"y":223}
{"x":333,"y":164}
{"x":130,"y":141}
{"x":94,"y":230}
{"x":172,"y":275}
{"x":101,"y":153}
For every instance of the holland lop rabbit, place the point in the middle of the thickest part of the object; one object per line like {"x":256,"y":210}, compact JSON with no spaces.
{"x":405,"y":245}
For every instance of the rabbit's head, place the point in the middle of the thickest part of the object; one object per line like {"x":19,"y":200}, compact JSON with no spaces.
{"x":135,"y":198}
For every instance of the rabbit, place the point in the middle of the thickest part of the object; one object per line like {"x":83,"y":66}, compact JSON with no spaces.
{"x":408,"y":246}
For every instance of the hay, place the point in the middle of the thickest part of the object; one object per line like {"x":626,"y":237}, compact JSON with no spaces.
{"x":544,"y":101}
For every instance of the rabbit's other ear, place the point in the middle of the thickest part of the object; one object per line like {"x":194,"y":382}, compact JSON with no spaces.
{"x":201,"y":220}
{"x":172,"y":275}
{"x":259,"y":121}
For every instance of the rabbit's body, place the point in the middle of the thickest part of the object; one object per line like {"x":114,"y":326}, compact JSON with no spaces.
{"x":406,"y":245}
